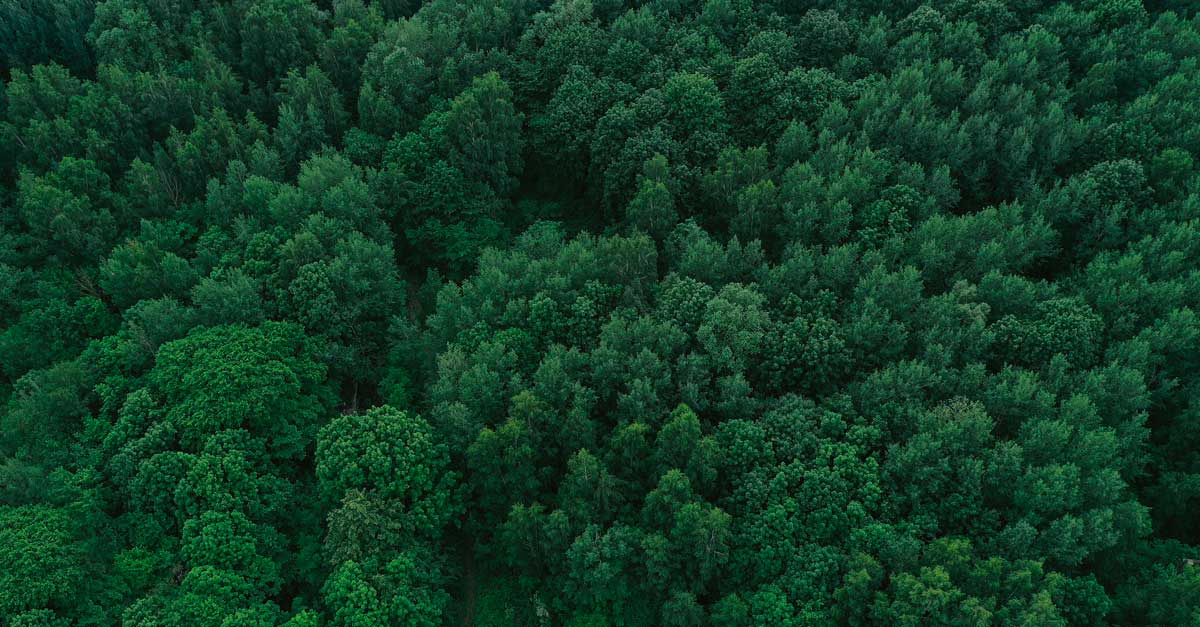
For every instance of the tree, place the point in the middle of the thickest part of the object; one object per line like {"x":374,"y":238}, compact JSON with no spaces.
{"x":41,"y":561}
{"x":503,"y":470}
{"x":403,"y":592}
{"x":653,"y":208}
{"x":311,"y":115}
{"x":694,"y":105}
{"x":482,"y":128}
{"x":46,"y":31}
{"x":68,"y":210}
{"x":733,"y":325}
{"x":391,"y":455}
{"x":278,"y":36}
{"x":261,"y":378}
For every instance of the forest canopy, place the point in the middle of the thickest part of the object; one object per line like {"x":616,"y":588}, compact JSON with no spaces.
{"x":599,"y":313}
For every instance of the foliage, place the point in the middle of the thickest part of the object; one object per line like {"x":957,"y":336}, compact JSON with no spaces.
{"x":593,"y":312}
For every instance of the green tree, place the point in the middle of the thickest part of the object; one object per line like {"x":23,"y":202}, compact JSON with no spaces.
{"x":404,"y":591}
{"x":261,"y":378}
{"x":392,"y":455}
{"x":42,"y":563}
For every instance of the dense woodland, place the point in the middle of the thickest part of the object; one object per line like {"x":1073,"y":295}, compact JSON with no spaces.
{"x":597,"y":313}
